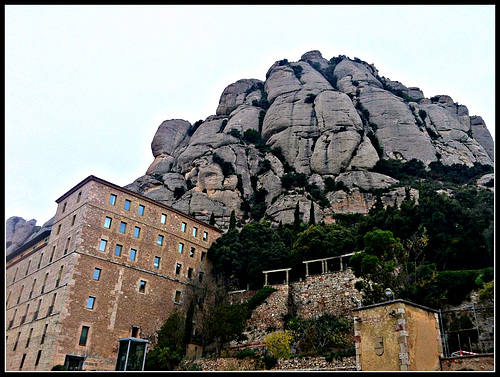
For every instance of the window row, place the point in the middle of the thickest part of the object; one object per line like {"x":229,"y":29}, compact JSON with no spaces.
{"x":126,"y":204}
{"x":36,"y":314}
{"x":133,"y":252}
{"x":28,"y":340}
{"x":40,"y":260}
{"x":163,"y":217}
{"x":33,"y":291}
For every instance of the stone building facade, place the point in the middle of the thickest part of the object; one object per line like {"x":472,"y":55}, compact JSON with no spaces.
{"x":115,"y":265}
{"x":397,"y":336}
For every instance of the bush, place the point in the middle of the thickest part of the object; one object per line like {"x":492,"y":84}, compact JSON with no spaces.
{"x":278,"y":344}
{"x":178,"y":192}
{"x":269,"y":361}
{"x":310,"y":98}
{"x":59,"y":367}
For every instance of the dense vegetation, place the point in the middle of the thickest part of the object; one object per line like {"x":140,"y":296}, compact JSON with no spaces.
{"x":414,"y":248}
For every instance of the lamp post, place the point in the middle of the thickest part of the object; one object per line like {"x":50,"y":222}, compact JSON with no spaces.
{"x":388,"y":292}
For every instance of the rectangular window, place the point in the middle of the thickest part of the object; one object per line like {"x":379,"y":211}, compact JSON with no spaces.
{"x":133,"y":253}
{"x":90,"y":302}
{"x":141,"y":210}
{"x":205,"y":236}
{"x":156,"y":263}
{"x":123,"y":227}
{"x":183,"y":227}
{"x":112,"y":199}
{"x":73,"y":220}
{"x":64,"y":208}
{"x":127,"y":205}
{"x":39,"y":262}
{"x":191,"y":252}
{"x":67,"y":245}
{"x":142,"y":286}
{"x":160,"y":240}
{"x":190,"y":272}
{"x":177,"y":298}
{"x":203,"y":254}
{"x":29,"y":337}
{"x":102,"y":245}
{"x":44,"y":333}
{"x":39,"y":354}
{"x":195,"y":231}
{"x":52,"y":254}
{"x":59,"y":229}
{"x":22,"y":361}
{"x":181,"y":247}
{"x":107,"y":222}
{"x":118,"y":250}
{"x":28,"y":268}
{"x":137,"y":230}
{"x":163,"y":219}
{"x":178,"y":268}
{"x":79,"y":197}
{"x":97,"y":274}
{"x":83,"y":336}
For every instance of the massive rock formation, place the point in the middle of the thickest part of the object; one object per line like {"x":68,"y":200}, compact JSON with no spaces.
{"x":327,"y":119}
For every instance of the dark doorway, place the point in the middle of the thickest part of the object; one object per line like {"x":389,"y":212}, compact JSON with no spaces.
{"x":74,"y":362}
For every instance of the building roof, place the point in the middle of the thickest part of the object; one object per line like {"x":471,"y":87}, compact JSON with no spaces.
{"x":396,"y":301}
{"x":130,"y":192}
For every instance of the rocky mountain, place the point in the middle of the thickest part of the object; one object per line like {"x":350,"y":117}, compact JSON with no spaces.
{"x":326,"y":121}
{"x":18,"y":231}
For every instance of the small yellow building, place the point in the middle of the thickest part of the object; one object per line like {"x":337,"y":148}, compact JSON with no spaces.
{"x":397,"y":336}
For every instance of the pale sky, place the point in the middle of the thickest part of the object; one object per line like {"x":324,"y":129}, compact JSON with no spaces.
{"x":86,"y":86}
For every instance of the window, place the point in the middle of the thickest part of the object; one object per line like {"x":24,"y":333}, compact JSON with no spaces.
{"x":191,"y":252}
{"x":102,"y":245}
{"x":137,"y":230}
{"x":190,"y":272}
{"x":181,"y":247}
{"x":28,"y":268}
{"x":39,"y":354}
{"x":59,"y":229}
{"x":123,"y":227}
{"x":73,"y":220}
{"x":20,"y":294}
{"x":67,"y":245}
{"x":97,"y":274}
{"x":79,"y":197}
{"x":44,"y":333}
{"x":160,"y":240}
{"x":44,"y":282}
{"x":22,"y":361}
{"x":37,"y":311}
{"x":183,"y":227}
{"x":135,"y":331}
{"x":203,"y":254}
{"x":178,"y":268}
{"x":29,"y":337}
{"x":163,"y":219}
{"x":156,"y":263}
{"x":39,"y":262}
{"x":118,"y":250}
{"x":200,"y":276}
{"x":112,"y":199}
{"x":132,"y":254}
{"x":83,"y":336}
{"x":52,"y":254}
{"x":59,"y":274}
{"x":15,"y":273}
{"x":127,"y":205}
{"x":142,"y":286}
{"x":32,"y":288}
{"x":195,"y":231}
{"x":141,"y":210}
{"x":107,"y":222}
{"x":205,"y":236}
{"x":64,"y":208}
{"x":17,"y":340}
{"x":177,"y":298}
{"x":90,"y":302}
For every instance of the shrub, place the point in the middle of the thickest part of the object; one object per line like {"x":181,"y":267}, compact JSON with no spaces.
{"x":269,"y":361}
{"x":310,"y":98}
{"x":278,"y":344}
{"x":297,"y":70}
{"x":178,"y":192}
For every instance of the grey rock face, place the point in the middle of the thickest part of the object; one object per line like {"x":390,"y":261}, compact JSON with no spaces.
{"x":18,"y":231}
{"x":323,"y":118}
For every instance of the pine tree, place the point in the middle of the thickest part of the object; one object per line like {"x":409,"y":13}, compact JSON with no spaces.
{"x":212,"y":219}
{"x":296,"y":220}
{"x":232,"y":220}
{"x":312,"y":220}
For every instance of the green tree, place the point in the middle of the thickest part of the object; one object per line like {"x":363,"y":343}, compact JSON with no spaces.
{"x":212,"y":219}
{"x":312,"y":220}
{"x":232,"y":220}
